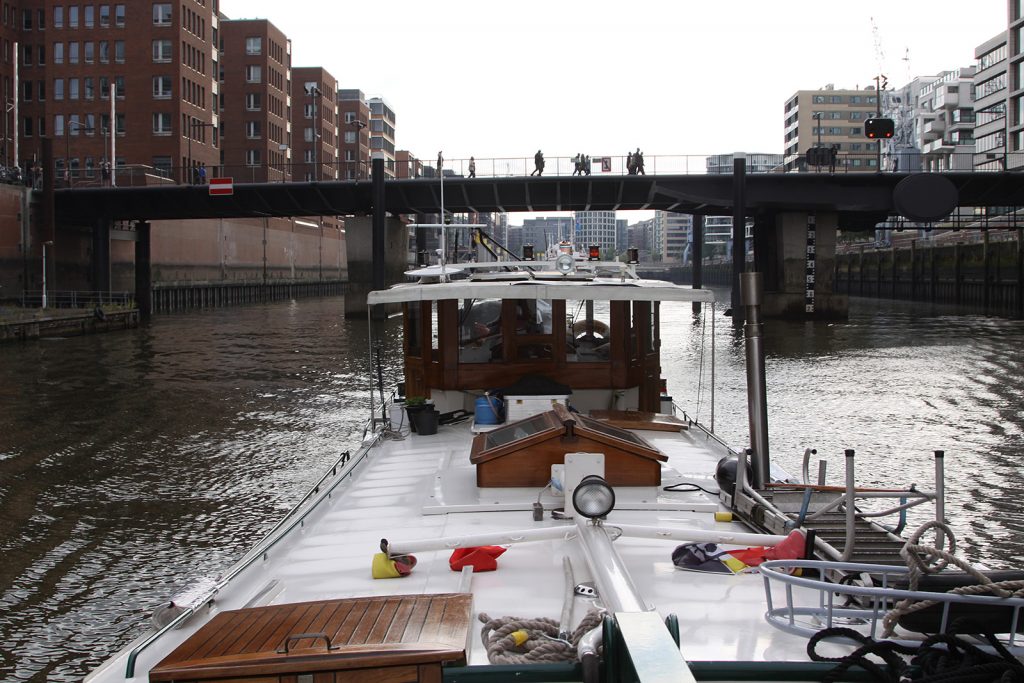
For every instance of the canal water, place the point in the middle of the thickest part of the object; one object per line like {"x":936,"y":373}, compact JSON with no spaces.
{"x":138,"y":463}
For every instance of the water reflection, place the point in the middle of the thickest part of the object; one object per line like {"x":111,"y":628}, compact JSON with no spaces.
{"x":136,"y":463}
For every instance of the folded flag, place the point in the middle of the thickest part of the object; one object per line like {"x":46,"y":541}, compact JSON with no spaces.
{"x":385,"y":567}
{"x":709,"y":557}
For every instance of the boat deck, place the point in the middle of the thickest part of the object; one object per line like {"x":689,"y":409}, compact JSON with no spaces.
{"x":423,"y":487}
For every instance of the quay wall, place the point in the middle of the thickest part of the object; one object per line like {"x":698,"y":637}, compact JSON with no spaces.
{"x":982,"y":277}
{"x":211,"y":262}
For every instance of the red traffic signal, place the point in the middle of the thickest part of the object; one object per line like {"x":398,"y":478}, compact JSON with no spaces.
{"x":879,"y":128}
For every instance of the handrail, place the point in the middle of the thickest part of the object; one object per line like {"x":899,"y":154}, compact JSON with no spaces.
{"x":260,"y":549}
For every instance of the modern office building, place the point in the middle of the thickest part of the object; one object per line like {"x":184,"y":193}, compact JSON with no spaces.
{"x":160,"y":61}
{"x":991,"y":79}
{"x":830,"y":118}
{"x":256,"y":105}
{"x":354,"y":149}
{"x":544,"y":232}
{"x":595,"y":228}
{"x":382,"y":133}
{"x":314,"y":124}
{"x":756,"y":163}
{"x":677,"y":229}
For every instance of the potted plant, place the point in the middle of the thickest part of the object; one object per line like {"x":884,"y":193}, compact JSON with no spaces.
{"x":422,"y":415}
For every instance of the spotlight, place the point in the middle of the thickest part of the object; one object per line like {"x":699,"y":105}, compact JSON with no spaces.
{"x":593,"y":497}
{"x":565,"y":264}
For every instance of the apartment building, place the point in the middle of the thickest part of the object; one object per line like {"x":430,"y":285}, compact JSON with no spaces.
{"x":596,"y":227}
{"x":157,"y":59}
{"x":944,"y":109}
{"x":407,"y":165}
{"x":354,"y":147}
{"x":830,"y":118}
{"x":676,"y":230}
{"x":314,"y":124}
{"x":256,"y":106}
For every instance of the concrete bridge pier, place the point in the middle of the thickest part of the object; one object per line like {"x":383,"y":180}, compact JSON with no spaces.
{"x":143,"y":270}
{"x":101,"y":255}
{"x":797,"y":255}
{"x":359,"y":245}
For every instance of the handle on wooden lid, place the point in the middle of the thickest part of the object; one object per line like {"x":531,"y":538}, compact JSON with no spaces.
{"x":283,"y":650}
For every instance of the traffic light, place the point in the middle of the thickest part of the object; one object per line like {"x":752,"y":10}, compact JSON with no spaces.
{"x":875,"y":129}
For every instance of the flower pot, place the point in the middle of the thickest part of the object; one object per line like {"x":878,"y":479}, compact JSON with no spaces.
{"x":424,"y":420}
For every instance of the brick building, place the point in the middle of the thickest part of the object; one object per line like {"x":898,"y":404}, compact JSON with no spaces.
{"x":314,"y":124}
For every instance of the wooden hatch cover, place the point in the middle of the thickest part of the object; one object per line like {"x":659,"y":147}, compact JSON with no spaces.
{"x":391,"y":639}
{"x":522,"y":453}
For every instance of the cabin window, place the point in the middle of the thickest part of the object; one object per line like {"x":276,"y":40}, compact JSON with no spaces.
{"x":413,"y":330}
{"x":588,"y":333}
{"x":480,"y":331}
{"x":533,"y":329}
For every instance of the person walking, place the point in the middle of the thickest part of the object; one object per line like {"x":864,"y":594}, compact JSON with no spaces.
{"x":106,"y":173}
{"x":585,"y":164}
{"x":577,"y":164}
{"x":440,"y":162}
{"x":638,"y":162}
{"x":202,"y":173}
{"x":538,"y":163}
{"x":472,"y":167}
{"x":630,"y":164}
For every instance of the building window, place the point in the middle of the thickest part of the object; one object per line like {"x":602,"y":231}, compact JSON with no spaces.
{"x":252,"y":129}
{"x":26,"y":19}
{"x":26,"y":56}
{"x":104,"y":87}
{"x":350,"y":137}
{"x":73,"y":53}
{"x":307,"y":111}
{"x":58,"y":53}
{"x":161,"y":123}
{"x":161,"y":14}
{"x":88,"y":88}
{"x":252,"y":73}
{"x":104,"y":15}
{"x":28,"y":126}
{"x":252,"y":157}
{"x":818,"y":99}
{"x":104,"y":52}
{"x":119,"y":86}
{"x":162,"y":51}
{"x":89,"y":13}
{"x":253,"y":45}
{"x":350,"y":116}
{"x":42,"y":55}
{"x":252,"y":102}
{"x":58,"y":125}
{"x":58,"y":16}
{"x":307,"y":134}
{"x":58,"y":88}
{"x":119,"y":51}
{"x":162,"y":163}
{"x":72,"y":88}
{"x":26,"y":91}
{"x":73,"y":16}
{"x":855,"y":130}
{"x":42,"y":95}
{"x":118,"y":15}
{"x":161,"y":87}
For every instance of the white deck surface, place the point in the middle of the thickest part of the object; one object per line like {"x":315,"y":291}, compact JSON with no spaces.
{"x":721,"y":616}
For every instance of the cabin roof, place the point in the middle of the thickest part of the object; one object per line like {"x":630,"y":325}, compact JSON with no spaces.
{"x":599,"y":289}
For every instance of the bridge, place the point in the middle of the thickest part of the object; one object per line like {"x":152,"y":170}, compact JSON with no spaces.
{"x":796,"y":215}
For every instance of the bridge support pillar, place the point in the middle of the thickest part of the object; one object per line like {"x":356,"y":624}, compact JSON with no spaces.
{"x":359,"y":245}
{"x":800,"y":267}
{"x":101,"y":255}
{"x":143,"y":270}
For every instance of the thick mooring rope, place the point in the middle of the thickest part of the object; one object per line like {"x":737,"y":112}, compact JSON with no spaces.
{"x":914,"y":554}
{"x":514,"y":640}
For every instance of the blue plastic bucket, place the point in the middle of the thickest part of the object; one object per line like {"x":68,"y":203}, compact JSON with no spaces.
{"x":488,"y":410}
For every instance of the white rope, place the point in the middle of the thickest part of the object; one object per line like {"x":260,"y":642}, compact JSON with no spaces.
{"x":514,"y":640}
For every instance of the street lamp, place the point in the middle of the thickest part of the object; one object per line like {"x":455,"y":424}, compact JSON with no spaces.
{"x":48,"y":243}
{"x":314,"y":92}
{"x":191,"y":131}
{"x":359,"y":134}
{"x":67,"y":147}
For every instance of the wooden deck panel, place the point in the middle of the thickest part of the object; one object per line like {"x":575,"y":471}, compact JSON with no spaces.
{"x":387,"y":638}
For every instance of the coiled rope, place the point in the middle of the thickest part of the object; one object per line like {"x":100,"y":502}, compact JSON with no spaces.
{"x":514,"y":640}
{"x":914,"y":555}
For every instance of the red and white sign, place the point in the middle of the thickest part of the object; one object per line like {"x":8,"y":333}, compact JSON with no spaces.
{"x":222,"y":186}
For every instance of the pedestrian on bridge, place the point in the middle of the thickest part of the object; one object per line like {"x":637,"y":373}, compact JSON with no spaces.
{"x":630,"y":164}
{"x":577,"y":164}
{"x":538,"y":163}
{"x":472,"y":167}
{"x":638,"y":162}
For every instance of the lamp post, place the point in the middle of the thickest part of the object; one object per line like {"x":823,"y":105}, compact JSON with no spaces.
{"x":48,"y":243}
{"x":191,"y":131}
{"x":314,"y":92}
{"x":67,"y":147}
{"x":359,"y":135}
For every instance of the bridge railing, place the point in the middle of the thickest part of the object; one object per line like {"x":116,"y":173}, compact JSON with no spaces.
{"x":560,"y":166}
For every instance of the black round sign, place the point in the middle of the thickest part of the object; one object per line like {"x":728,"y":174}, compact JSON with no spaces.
{"x":925,"y":197}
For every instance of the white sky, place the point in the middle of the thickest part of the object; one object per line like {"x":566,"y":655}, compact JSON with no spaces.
{"x":494,"y":78}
